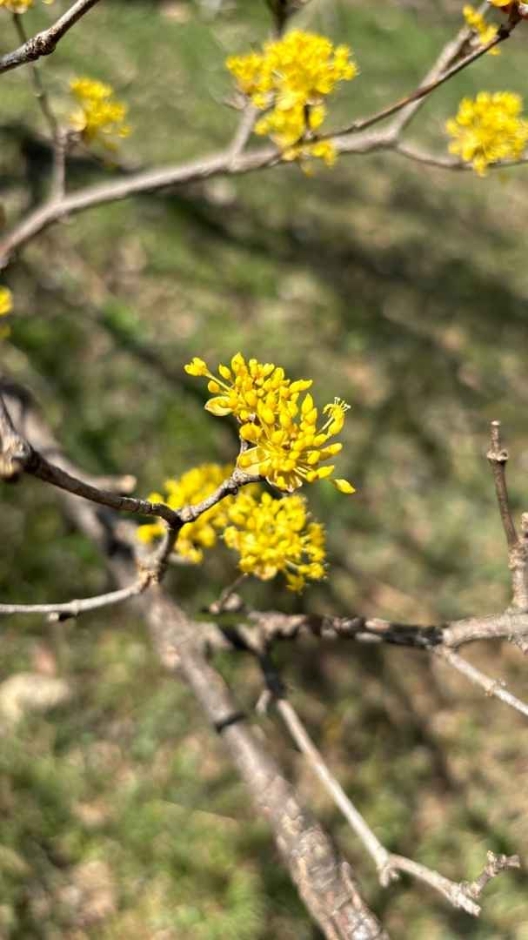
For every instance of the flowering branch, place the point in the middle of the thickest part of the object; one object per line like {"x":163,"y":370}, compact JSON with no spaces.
{"x":233,"y":161}
{"x":325,"y":881}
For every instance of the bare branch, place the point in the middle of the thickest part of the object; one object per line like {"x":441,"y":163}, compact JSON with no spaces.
{"x":517,"y":545}
{"x":492,"y":687}
{"x":498,"y":458}
{"x":460,"y":894}
{"x":45,"y":42}
{"x":262,"y":629}
{"x":298,"y":732}
{"x":324,"y":880}
{"x":495,"y":865}
{"x":40,"y":92}
{"x":244,"y":130}
{"x":448,"y":163}
{"x":76,"y":607}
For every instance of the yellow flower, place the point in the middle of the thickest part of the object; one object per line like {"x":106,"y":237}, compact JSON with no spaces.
{"x":19,"y":6}
{"x":99,"y":116}
{"x":286,"y":446}
{"x":289,"y":80}
{"x":191,"y":488}
{"x":488,"y":129}
{"x":484,"y":32}
{"x":275,"y":536}
{"x":6,"y":301}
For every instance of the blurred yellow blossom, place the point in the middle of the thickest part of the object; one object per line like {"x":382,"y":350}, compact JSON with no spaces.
{"x":99,"y":116}
{"x":6,"y":301}
{"x":191,"y":488}
{"x":6,"y":306}
{"x":284,"y":443}
{"x":484,"y":32}
{"x":19,"y":6}
{"x":508,"y":7}
{"x":275,"y":536}
{"x":487,"y":129}
{"x":290,"y":80}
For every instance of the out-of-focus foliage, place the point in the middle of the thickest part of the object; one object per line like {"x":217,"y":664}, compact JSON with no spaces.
{"x":402,"y":289}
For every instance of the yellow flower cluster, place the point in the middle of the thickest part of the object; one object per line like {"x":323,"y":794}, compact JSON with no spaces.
{"x":487,"y":129}
{"x":19,"y":6}
{"x":6,"y":306}
{"x":192,"y":487}
{"x":287,"y":447}
{"x":99,"y":117}
{"x":483,"y":31}
{"x":275,"y":536}
{"x":289,"y":80}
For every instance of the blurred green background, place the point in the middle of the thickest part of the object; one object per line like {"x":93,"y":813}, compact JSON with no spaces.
{"x":400,"y":288}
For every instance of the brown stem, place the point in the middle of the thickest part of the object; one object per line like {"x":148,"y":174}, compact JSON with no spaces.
{"x":45,"y":42}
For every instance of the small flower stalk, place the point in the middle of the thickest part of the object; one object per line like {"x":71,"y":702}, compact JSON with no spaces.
{"x":192,"y":487}
{"x":488,"y":129}
{"x":290,"y":81}
{"x":286,"y":441}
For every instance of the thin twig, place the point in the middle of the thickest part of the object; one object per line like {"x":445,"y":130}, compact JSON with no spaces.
{"x":223,"y":601}
{"x":462,"y":895}
{"x":76,"y":607}
{"x":45,"y":42}
{"x":498,"y":458}
{"x":40,"y":92}
{"x":243,"y":131}
{"x":517,"y":544}
{"x":492,"y":687}
{"x":422,"y":91}
{"x":447,"y":58}
{"x":448,"y":163}
{"x":298,"y":732}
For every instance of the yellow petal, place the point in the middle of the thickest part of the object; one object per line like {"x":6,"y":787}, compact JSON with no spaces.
{"x":343,"y":486}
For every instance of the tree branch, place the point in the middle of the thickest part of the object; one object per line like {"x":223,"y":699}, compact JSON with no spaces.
{"x":362,"y":124}
{"x":492,"y":687}
{"x":76,"y":607}
{"x":460,"y":894}
{"x":46,"y":41}
{"x":498,"y":458}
